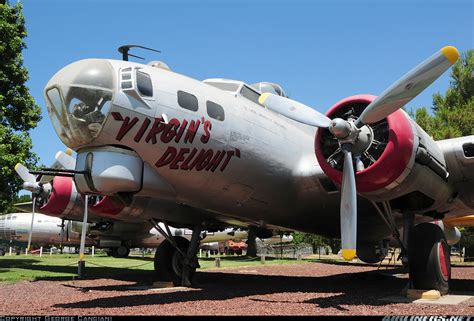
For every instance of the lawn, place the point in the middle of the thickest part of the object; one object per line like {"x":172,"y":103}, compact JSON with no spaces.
{"x":64,"y":266}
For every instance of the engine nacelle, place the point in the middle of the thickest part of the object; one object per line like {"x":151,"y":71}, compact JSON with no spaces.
{"x":63,"y":199}
{"x":402,"y":163}
{"x":452,"y":233}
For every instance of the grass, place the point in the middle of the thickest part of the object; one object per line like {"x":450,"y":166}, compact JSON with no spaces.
{"x":64,"y":266}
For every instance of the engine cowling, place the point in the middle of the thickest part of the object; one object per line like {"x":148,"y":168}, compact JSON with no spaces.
{"x":63,"y":199}
{"x":402,"y":163}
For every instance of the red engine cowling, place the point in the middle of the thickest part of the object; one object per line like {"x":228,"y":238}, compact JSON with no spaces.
{"x":401,"y":160}
{"x":391,"y":157}
{"x":63,"y":199}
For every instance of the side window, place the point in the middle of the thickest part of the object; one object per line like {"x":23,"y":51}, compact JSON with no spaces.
{"x":215,"y":110}
{"x":250,"y":94}
{"x":144,"y":84}
{"x":187,"y":100}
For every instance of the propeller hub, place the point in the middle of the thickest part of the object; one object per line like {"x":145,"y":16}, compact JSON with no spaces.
{"x":340,"y":128}
{"x":364,"y":140}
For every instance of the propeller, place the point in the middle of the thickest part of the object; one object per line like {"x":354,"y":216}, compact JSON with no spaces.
{"x":36,"y":188}
{"x":40,"y":186}
{"x":347,"y":131}
{"x":65,"y":160}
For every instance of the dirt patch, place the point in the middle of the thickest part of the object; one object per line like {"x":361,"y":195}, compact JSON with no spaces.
{"x":290,"y":289}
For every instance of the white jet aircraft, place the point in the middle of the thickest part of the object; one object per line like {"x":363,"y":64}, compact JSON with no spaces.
{"x":156,"y":145}
{"x":118,"y":237}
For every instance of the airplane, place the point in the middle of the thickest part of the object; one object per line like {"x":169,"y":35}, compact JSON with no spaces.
{"x":158,"y":146}
{"x":117,"y":237}
{"x":237,"y":245}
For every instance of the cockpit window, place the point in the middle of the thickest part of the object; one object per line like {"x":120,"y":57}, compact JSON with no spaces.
{"x":250,"y":94}
{"x":144,"y":85}
{"x":227,"y":86}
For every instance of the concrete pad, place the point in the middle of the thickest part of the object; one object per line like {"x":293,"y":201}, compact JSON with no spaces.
{"x":450,"y":299}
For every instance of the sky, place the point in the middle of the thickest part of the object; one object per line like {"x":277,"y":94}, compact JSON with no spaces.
{"x":318,"y":51}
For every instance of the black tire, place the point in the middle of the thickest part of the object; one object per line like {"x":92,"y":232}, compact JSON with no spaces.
{"x":169,"y":262}
{"x":429,"y":259}
{"x":2,"y":252}
{"x":120,"y":252}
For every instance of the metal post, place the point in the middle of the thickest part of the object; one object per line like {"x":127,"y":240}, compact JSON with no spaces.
{"x":31,"y":225}
{"x":82,"y":264}
{"x":10,"y":251}
{"x":200,"y":253}
{"x":41,"y":251}
{"x":50,"y":251}
{"x":93,"y":250}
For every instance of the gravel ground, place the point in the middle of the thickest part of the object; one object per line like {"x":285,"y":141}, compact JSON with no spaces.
{"x":290,"y":289}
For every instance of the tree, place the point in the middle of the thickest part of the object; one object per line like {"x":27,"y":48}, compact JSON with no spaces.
{"x":18,"y":111}
{"x":453,"y":116}
{"x":317,"y":241}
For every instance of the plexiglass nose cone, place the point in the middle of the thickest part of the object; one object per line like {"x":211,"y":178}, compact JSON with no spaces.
{"x":78,"y":98}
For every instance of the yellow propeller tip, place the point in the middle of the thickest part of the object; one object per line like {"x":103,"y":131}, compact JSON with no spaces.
{"x":348,"y":254}
{"x":451,"y":53}
{"x":263,"y":97}
{"x":69,"y":152}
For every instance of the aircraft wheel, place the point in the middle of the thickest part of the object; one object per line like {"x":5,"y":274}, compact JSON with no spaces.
{"x":120,"y":252}
{"x":429,"y":258}
{"x":169,"y":262}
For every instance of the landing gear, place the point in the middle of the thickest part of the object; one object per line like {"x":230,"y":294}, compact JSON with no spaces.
{"x":169,"y":261}
{"x":120,"y":252}
{"x":429,"y":258}
{"x":176,"y":258}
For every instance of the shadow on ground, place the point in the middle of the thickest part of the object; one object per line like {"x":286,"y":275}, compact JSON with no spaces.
{"x":364,"y":288}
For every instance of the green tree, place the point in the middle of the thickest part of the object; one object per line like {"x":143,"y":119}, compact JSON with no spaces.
{"x":18,"y":111}
{"x":316,"y":241}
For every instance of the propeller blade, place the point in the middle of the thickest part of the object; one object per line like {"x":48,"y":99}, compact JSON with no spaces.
{"x":24,"y":173}
{"x":23,"y":207}
{"x":62,"y":160}
{"x":409,"y":86}
{"x":348,"y":206}
{"x":294,"y":110}
{"x":65,"y":160}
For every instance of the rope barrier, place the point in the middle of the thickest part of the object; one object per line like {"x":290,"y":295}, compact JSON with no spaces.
{"x":120,"y":267}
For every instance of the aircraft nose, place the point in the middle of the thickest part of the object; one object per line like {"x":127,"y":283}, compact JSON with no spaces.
{"x":78,"y":99}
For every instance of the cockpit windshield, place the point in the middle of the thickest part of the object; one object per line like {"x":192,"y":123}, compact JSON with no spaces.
{"x":79,"y":98}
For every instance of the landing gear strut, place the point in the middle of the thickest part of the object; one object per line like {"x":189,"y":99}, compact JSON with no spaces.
{"x":424,"y":250}
{"x":176,"y":258}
